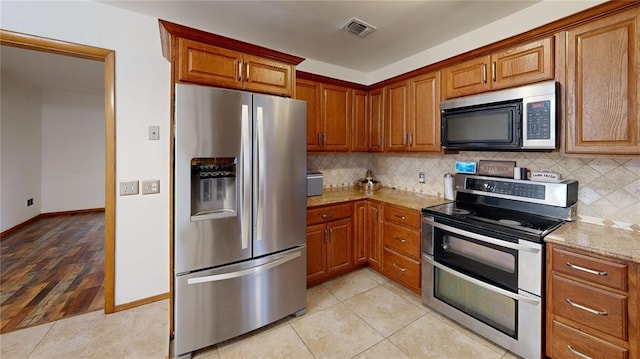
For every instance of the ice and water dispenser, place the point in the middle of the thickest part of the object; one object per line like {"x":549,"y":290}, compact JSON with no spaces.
{"x":213,"y":188}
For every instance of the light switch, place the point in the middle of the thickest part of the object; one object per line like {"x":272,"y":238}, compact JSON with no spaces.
{"x":128,"y":188}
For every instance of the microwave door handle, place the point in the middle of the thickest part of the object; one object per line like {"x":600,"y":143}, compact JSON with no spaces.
{"x":482,"y":238}
{"x":481,"y":283}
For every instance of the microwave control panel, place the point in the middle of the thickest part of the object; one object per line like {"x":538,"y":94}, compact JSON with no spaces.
{"x":539,"y":120}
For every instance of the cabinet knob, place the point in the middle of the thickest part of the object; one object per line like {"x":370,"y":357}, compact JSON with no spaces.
{"x":401,"y":217}
{"x":401,"y":269}
{"x":327,"y":215}
{"x":585,"y":308}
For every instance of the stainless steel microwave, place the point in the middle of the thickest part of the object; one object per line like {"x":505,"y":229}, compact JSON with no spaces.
{"x":517,"y":119}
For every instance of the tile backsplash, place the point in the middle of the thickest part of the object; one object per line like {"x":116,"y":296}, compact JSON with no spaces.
{"x":609,"y":189}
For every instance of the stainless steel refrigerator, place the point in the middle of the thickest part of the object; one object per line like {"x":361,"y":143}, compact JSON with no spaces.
{"x":239,"y":213}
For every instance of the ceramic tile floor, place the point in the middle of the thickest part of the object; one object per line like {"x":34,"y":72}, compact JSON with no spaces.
{"x":359,"y":315}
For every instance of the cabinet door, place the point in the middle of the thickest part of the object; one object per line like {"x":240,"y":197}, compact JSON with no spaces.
{"x":310,"y":91}
{"x":360,"y":126}
{"x":336,"y":118}
{"x":267,"y":76}
{"x":316,"y":252}
{"x":527,"y":63}
{"x":340,"y":245}
{"x":374,"y":235}
{"x":467,"y":78}
{"x":425,"y":113}
{"x":360,"y":232}
{"x":376,"y":121}
{"x":602,"y":86}
{"x":209,"y":65}
{"x":397,"y":116}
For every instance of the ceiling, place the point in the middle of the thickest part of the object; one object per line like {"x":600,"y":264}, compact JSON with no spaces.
{"x":313,"y":29}
{"x":52,"y":72}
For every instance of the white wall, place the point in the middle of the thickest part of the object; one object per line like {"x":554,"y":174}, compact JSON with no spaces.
{"x":20,"y":106}
{"x":73,"y":154}
{"x":527,"y":19}
{"x":142,"y":99}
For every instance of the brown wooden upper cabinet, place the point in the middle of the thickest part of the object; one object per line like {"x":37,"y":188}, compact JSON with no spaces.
{"x":518,"y":65}
{"x":329,"y":113}
{"x":361,"y":127}
{"x":412,"y":114}
{"x":602,"y":94}
{"x":376,"y":120}
{"x":216,"y":66}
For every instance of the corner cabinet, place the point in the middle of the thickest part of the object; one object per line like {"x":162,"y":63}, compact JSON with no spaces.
{"x":514,"y":66}
{"x":592,"y":306}
{"x":602,"y":95}
{"x":412,"y":114}
{"x":203,"y":58}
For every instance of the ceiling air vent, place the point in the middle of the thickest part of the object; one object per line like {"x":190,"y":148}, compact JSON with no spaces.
{"x":359,"y":27}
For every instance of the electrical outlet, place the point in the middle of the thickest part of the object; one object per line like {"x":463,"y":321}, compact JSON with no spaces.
{"x":154,"y":132}
{"x":128,"y":188}
{"x":150,"y":186}
{"x":421,"y":177}
{"x":30,"y":202}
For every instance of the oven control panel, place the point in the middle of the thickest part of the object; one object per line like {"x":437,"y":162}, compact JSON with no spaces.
{"x":517,"y":189}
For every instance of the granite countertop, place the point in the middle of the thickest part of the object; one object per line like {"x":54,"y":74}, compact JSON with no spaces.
{"x":611,"y":242}
{"x":593,"y":238}
{"x":393,"y":196}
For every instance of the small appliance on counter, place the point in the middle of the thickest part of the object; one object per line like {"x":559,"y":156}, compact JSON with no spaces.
{"x":368,"y":183}
{"x":314,"y":183}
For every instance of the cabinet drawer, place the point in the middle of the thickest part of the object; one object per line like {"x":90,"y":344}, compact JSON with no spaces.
{"x":402,"y":239}
{"x":610,"y":274}
{"x":330,"y":213}
{"x":590,"y":306}
{"x":401,"y":215}
{"x":567,"y":341}
{"x":401,"y":268}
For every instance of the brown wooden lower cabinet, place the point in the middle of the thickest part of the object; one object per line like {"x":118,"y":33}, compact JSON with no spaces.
{"x":345,"y":236}
{"x":592,"y":305}
{"x":329,"y":242}
{"x":572,"y":343}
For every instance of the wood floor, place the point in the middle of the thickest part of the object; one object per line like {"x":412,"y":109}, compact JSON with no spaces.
{"x":51,"y":269}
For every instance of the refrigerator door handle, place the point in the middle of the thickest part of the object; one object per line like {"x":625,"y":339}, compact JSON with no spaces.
{"x":245,"y":272}
{"x":246,"y":179}
{"x":259,"y":171}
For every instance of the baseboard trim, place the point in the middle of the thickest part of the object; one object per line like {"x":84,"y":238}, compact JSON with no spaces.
{"x":66,"y":213}
{"x":19,"y":226}
{"x":140,"y":302}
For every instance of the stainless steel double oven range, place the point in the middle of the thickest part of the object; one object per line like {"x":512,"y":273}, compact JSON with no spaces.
{"x":483,"y":256}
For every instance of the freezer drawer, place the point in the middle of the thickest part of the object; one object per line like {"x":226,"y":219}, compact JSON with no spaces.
{"x":215,"y":305}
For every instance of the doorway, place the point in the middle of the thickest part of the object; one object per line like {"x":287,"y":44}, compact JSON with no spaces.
{"x":107,"y":57}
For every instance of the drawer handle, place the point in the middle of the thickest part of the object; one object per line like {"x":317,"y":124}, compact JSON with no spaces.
{"x":586,"y":309}
{"x":577,"y":352}
{"x":590,"y":271}
{"x":327,"y":215}
{"x":401,"y":217}
{"x":399,"y":268}
{"x":402,"y":240}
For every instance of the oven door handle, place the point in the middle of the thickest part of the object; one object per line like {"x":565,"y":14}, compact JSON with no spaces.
{"x":483,"y":238}
{"x":481,"y":283}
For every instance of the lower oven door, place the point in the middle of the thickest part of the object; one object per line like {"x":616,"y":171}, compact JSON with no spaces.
{"x":511,"y":320}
